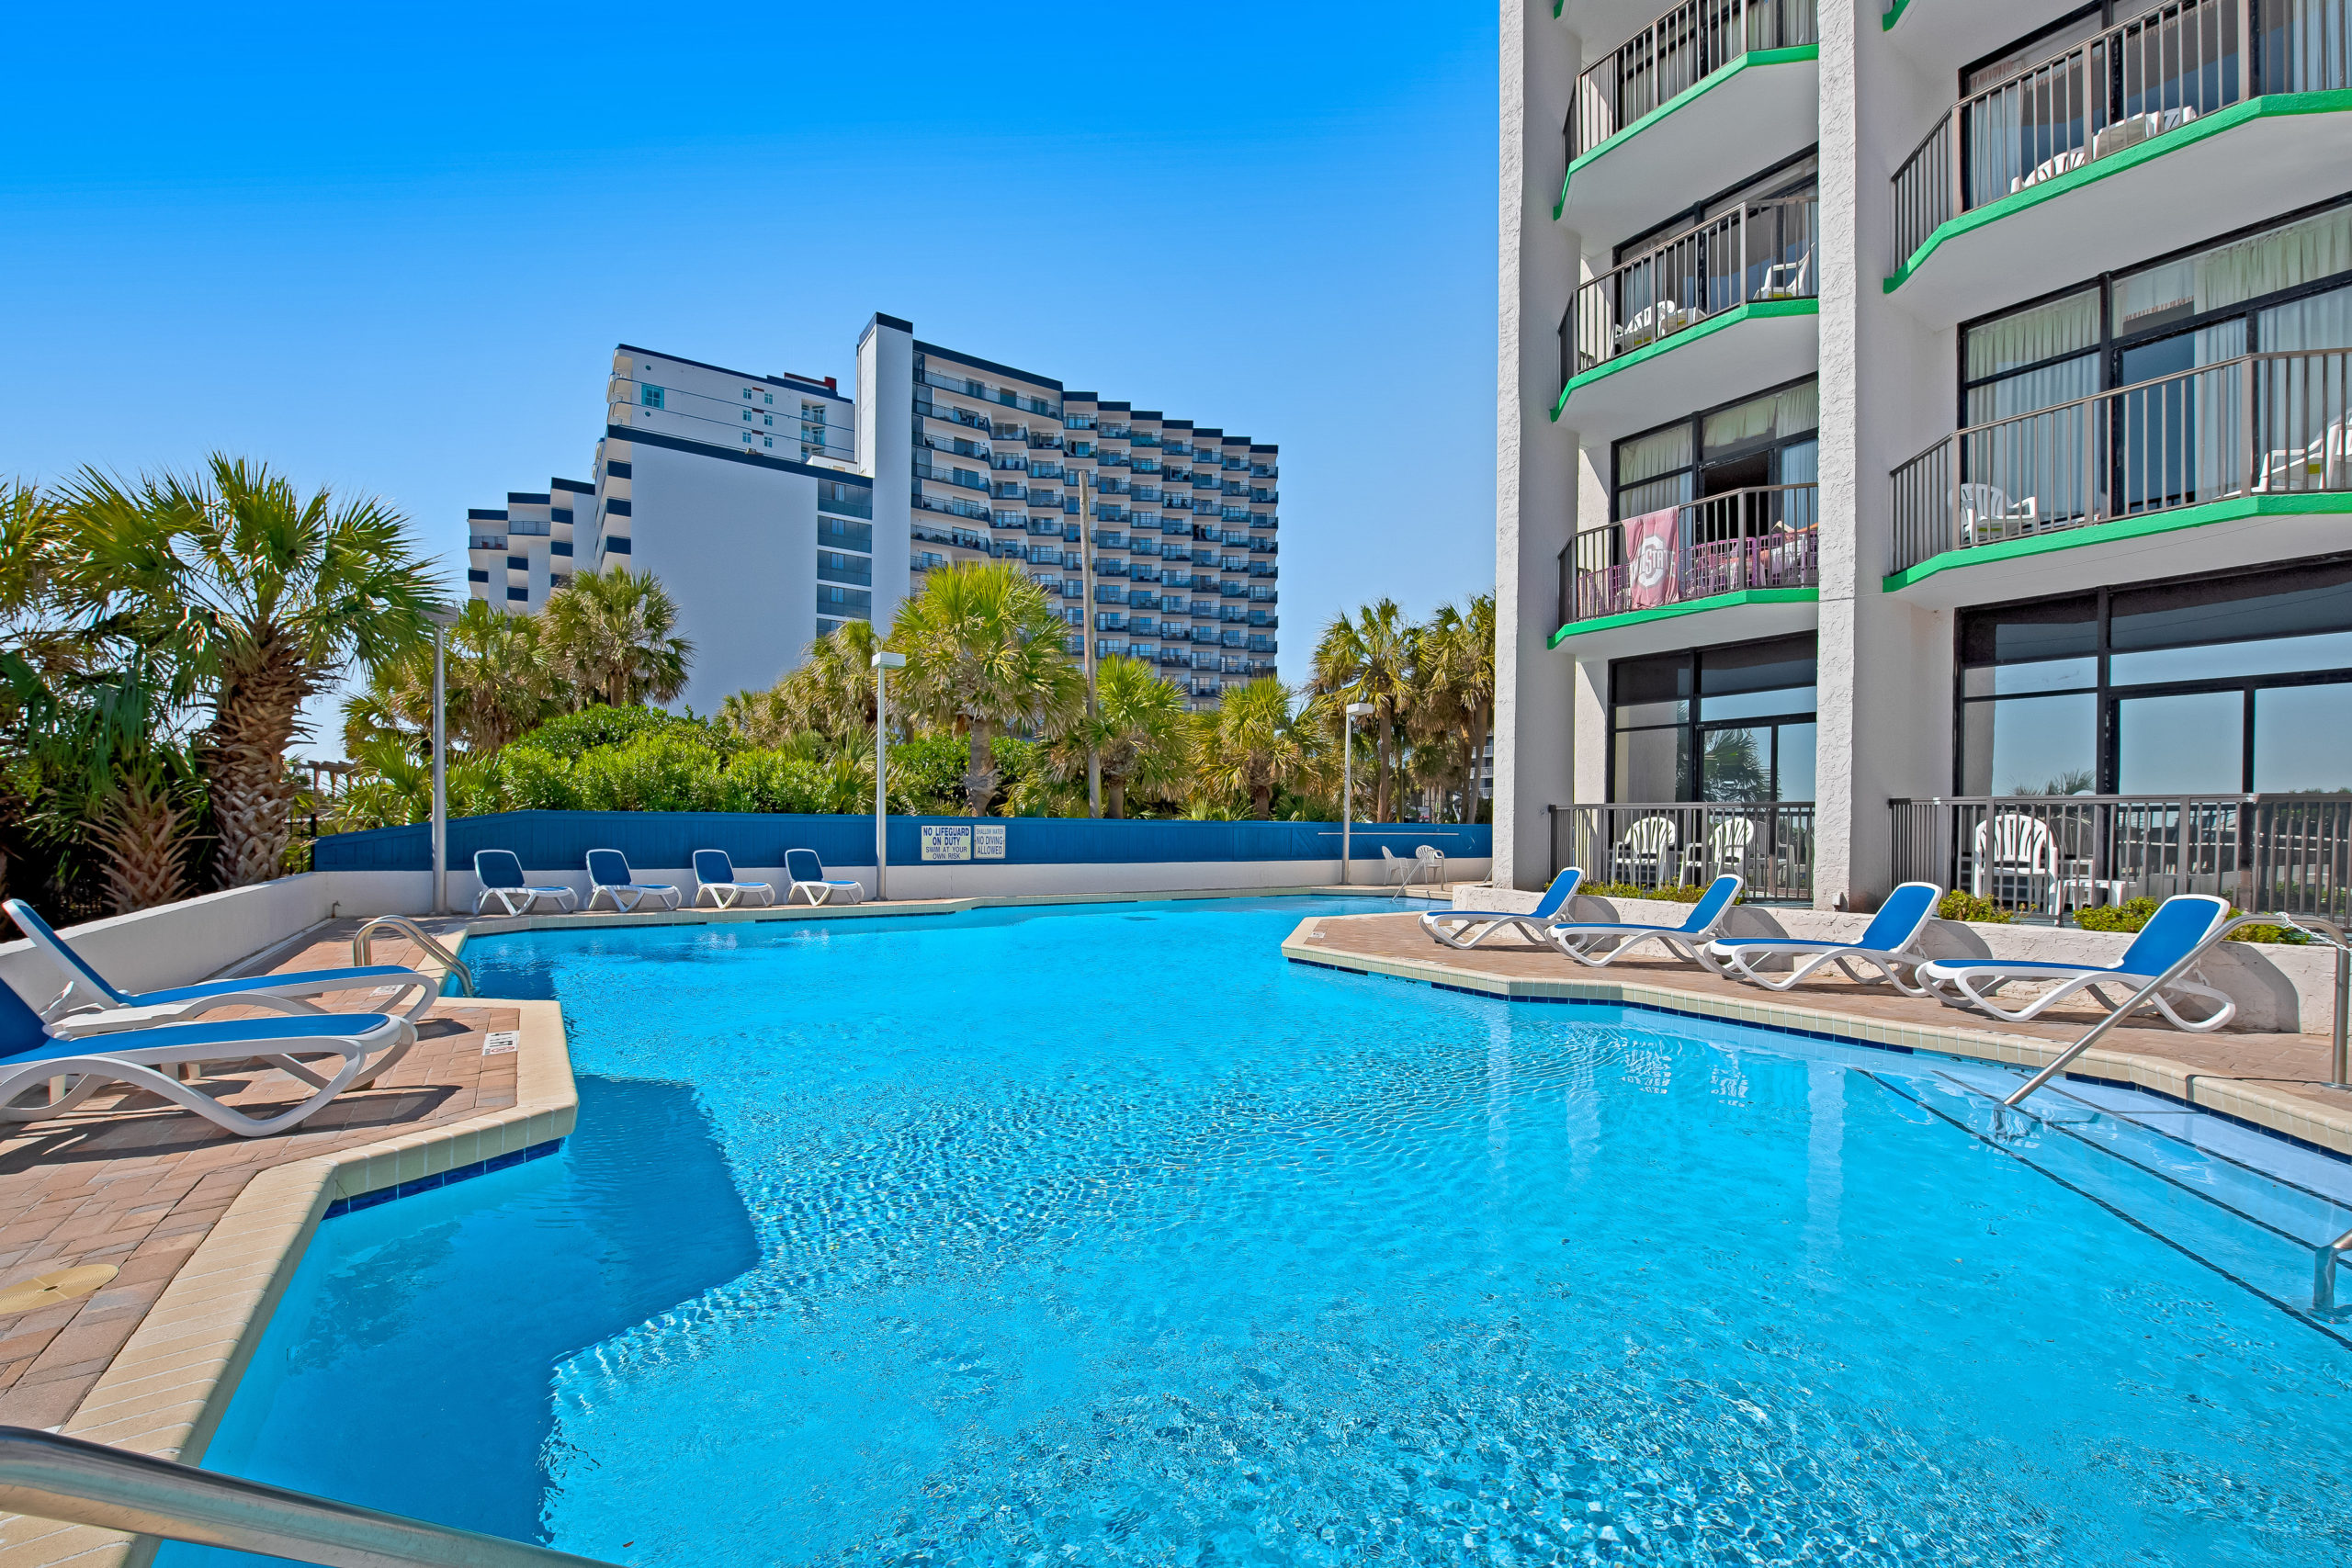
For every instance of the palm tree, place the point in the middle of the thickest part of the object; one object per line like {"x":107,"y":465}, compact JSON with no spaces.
{"x":1369,"y":660}
{"x":1140,"y":729}
{"x":1453,"y":692}
{"x":260,"y":598}
{"x":611,"y":633}
{"x":984,"y":650}
{"x":497,"y":686}
{"x":1254,"y":745}
{"x":831,"y":692}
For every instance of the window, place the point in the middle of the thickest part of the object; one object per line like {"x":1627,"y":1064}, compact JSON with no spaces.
{"x":746,"y":394}
{"x":768,"y":419}
{"x":767,"y":440}
{"x":747,"y":416}
{"x":650,"y":396}
{"x":1720,"y":723}
{"x":1764,"y":441}
{"x":767,"y":397}
{"x":2215,"y":685}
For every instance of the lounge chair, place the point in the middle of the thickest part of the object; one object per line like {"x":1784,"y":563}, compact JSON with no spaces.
{"x":610,"y":877}
{"x":91,"y":1004}
{"x":500,"y":871}
{"x":2182,"y":922}
{"x":1597,"y":946}
{"x":70,"y":1072}
{"x":807,"y":874}
{"x":1885,"y":945}
{"x":1454,"y":927}
{"x":715,"y":875}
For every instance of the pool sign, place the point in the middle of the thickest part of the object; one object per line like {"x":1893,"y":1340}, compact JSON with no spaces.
{"x":988,"y":842}
{"x":949,"y":843}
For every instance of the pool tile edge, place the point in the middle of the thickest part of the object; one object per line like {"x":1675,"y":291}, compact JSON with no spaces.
{"x":168,"y":1387}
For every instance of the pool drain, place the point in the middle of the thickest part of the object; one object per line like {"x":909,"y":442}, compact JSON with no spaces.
{"x":60,"y":1285}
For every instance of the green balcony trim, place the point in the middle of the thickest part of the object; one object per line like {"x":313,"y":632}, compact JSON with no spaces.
{"x":1688,"y":607}
{"x":1754,"y":57}
{"x":2214,"y":124}
{"x":1757,"y":310}
{"x":1885,"y":23}
{"x":2140,"y":527}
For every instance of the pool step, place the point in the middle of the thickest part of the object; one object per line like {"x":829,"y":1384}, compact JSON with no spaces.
{"x":2155,"y":1166}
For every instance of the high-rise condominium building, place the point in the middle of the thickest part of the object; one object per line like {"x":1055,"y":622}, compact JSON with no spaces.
{"x":775,"y":508}
{"x":1923,"y":444}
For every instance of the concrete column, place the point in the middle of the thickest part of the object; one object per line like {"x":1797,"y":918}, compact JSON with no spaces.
{"x":1536,"y":461}
{"x":886,"y":359}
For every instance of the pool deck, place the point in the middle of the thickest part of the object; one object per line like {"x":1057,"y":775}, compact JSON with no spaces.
{"x":2276,"y":1082}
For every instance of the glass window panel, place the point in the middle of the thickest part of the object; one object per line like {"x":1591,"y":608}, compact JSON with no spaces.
{"x":2156,"y":298}
{"x":2019,"y":634}
{"x":2303,"y":739}
{"x":1647,"y":456}
{"x":1653,"y":765}
{"x":2184,"y":745}
{"x":2030,"y":745}
{"x":1801,"y":463}
{"x":1641,"y":716}
{"x":2034,"y":391}
{"x":2021,"y":680}
{"x":1772,"y":417}
{"x":1736,"y":764}
{"x":1760,"y":666}
{"x":2029,"y":336}
{"x":1793,"y":780}
{"x":1632,"y":501}
{"x":2324,"y":321}
{"x":1650,"y":679}
{"x":2233,"y":661}
{"x":2272,"y":604}
{"x":2285,"y":257}
{"x":1760,"y":704}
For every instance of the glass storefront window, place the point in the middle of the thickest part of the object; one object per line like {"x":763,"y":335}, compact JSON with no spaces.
{"x":2192,"y":743}
{"x":2030,"y":745}
{"x":1671,"y":742}
{"x":2303,"y":739}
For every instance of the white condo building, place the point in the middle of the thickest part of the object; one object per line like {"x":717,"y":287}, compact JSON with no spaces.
{"x":1923,"y":445}
{"x":772,"y":508}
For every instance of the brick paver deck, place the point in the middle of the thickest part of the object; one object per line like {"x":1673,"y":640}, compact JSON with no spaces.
{"x":2290,"y":1063}
{"x":132,"y":1180}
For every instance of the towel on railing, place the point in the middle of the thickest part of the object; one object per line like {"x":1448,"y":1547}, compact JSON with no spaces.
{"x":1652,"y":562}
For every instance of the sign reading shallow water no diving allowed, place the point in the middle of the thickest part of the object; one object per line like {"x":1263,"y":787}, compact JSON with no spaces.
{"x":983,"y":842}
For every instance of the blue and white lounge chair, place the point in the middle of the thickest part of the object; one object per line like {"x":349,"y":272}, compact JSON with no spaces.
{"x":807,"y":874}
{"x":69,"y":1072}
{"x":609,"y":877}
{"x":1598,"y":946}
{"x":715,"y":875}
{"x":1468,"y":927}
{"x":500,"y":871}
{"x":2183,"y":921}
{"x":1885,"y":945}
{"x":91,"y":1004}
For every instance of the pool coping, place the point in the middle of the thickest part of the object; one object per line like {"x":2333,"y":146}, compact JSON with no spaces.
{"x":170,"y":1385}
{"x":2303,"y":1123}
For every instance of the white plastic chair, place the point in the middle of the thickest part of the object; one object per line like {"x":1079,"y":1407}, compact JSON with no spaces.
{"x":1647,"y":842}
{"x":1986,"y":514}
{"x":1724,"y":849}
{"x":2016,"y":848}
{"x":1786,"y":280}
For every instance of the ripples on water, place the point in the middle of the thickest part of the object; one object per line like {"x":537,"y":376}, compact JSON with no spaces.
{"x":1044,"y":1238}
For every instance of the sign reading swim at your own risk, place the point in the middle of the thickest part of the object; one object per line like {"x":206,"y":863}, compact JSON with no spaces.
{"x":947,"y":843}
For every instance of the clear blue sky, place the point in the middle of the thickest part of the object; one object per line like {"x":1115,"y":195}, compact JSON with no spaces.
{"x":390,"y":249}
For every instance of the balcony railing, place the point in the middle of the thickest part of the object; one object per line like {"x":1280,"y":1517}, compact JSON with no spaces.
{"x":2157,"y":72}
{"x":2041,"y":856}
{"x":1675,"y":52}
{"x":1763,"y":536}
{"x":1758,"y":251}
{"x":1769,"y":844}
{"x":2263,"y":425}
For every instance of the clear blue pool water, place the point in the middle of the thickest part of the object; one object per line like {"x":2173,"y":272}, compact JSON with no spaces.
{"x":1104,"y":1235}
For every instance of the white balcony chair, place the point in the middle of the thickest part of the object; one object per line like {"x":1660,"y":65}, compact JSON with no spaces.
{"x":1646,"y":845}
{"x":2015,"y":848}
{"x":1787,"y":280}
{"x":1724,"y":848}
{"x":2325,"y":464}
{"x":1987,"y":515}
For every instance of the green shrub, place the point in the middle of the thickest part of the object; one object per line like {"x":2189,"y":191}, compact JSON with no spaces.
{"x":1959,"y":905}
{"x":1672,"y":892}
{"x":2135,"y":913}
{"x":569,"y":735}
{"x":927,"y":775}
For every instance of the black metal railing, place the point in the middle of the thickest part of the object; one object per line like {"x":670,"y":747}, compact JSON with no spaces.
{"x":1762,"y":536}
{"x":1769,"y":843}
{"x":1675,"y":53}
{"x":1758,"y":251}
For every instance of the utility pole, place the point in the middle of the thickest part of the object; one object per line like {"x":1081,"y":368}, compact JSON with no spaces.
{"x":1086,"y":631}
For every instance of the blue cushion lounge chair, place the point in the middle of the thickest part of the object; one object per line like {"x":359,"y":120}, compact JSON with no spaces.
{"x":609,"y":877}
{"x":2183,"y":921}
{"x":91,"y":1004}
{"x":368,"y":1044}
{"x":1598,"y":946}
{"x":500,"y":871}
{"x":1882,"y":946}
{"x":715,"y":875}
{"x":807,"y":874}
{"x":1468,"y":927}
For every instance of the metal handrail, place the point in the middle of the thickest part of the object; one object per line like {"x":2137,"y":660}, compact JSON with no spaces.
{"x":2324,"y":1267}
{"x":2181,"y":967}
{"x":361,"y":947}
{"x":50,"y":1476}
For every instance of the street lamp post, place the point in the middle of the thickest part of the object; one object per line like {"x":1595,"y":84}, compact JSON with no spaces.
{"x":442,"y":621}
{"x":1348,"y":778}
{"x":883,"y":662}
{"x":1086,"y":645}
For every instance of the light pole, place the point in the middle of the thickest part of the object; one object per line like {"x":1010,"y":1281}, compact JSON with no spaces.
{"x":883,"y":662}
{"x":1086,"y":644}
{"x":1348,"y":778}
{"x":442,"y":621}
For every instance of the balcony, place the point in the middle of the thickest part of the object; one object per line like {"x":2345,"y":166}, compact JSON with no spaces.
{"x":2162,"y":132}
{"x":1656,"y":122}
{"x":1769,"y":843}
{"x":1736,"y":295}
{"x":1757,"y":546}
{"x":2264,"y":436}
{"x":486,"y":541}
{"x":2041,"y":856}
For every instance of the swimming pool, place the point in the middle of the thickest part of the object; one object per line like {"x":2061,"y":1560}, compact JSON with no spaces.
{"x":1103,"y":1236}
